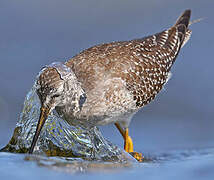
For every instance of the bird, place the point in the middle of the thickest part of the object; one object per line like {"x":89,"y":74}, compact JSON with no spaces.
{"x":110,"y":82}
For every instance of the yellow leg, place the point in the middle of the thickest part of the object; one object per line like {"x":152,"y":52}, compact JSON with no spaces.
{"x":128,"y":144}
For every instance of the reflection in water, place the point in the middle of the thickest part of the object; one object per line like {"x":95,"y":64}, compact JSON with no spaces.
{"x":185,"y":163}
{"x":77,"y":165}
{"x":58,"y":138}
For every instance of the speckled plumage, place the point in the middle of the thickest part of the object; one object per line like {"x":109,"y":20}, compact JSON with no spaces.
{"x":115,"y":79}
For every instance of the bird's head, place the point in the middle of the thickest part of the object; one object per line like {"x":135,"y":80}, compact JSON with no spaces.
{"x":50,"y":88}
{"x":53,"y":84}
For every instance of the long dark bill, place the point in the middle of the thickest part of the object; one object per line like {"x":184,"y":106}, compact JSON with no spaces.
{"x":44,"y":112}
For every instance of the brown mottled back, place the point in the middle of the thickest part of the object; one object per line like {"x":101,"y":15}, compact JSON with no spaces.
{"x":143,"y":64}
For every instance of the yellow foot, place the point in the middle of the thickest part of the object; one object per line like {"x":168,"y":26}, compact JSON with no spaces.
{"x":138,"y":156}
{"x":128,"y":144}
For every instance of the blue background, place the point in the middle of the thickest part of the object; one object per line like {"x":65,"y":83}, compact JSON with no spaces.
{"x":36,"y":33}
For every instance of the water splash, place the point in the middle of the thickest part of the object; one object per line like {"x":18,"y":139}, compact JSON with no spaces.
{"x":58,"y":138}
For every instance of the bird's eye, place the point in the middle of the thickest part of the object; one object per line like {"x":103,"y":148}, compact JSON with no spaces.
{"x":82,"y":100}
{"x":55,"y":95}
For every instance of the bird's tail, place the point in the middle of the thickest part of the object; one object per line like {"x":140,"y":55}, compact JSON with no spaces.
{"x":182,"y":24}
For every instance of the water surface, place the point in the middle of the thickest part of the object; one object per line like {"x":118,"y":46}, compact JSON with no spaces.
{"x":194,"y":164}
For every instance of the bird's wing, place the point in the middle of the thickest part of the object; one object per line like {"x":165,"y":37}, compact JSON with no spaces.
{"x":153,"y":57}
